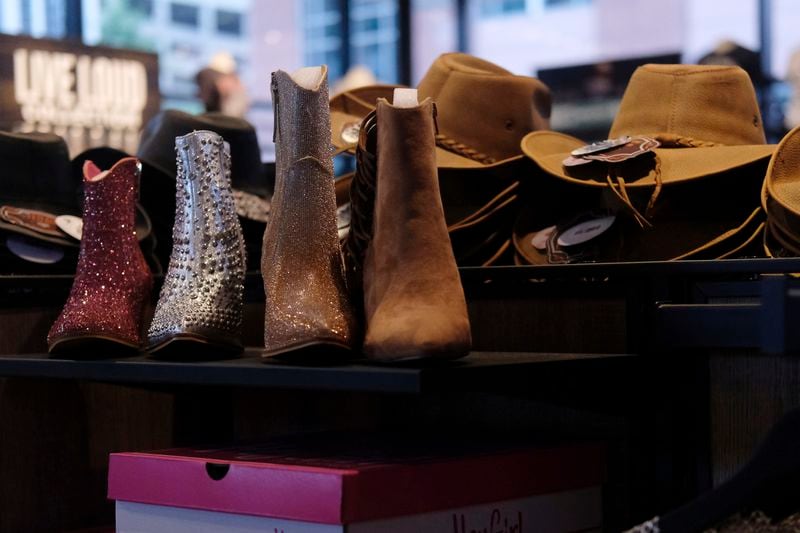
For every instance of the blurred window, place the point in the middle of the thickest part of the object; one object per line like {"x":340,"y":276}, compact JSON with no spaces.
{"x":185,"y":14}
{"x":560,"y":3}
{"x":374,"y":37}
{"x":145,"y":7}
{"x":229,"y":22}
{"x":501,"y":7}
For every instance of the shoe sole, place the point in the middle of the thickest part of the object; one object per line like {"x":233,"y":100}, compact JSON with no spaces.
{"x":192,"y":346}
{"x":92,"y":346}
{"x":318,"y":350}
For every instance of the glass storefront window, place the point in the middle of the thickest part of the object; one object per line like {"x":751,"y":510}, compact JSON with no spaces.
{"x":374,"y":37}
{"x":525,"y":36}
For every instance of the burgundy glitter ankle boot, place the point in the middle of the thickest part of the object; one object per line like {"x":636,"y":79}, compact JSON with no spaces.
{"x":112,"y":281}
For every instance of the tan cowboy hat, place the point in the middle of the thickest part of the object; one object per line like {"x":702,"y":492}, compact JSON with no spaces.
{"x":780,"y":198}
{"x":706,"y":119}
{"x":483,"y":111}
{"x":685,"y":224}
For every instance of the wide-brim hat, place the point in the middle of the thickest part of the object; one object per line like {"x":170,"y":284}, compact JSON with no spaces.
{"x":780,"y":198}
{"x":251,"y":180}
{"x":42,"y":183}
{"x":705,"y":118}
{"x":248,"y":173}
{"x":482,"y":111}
{"x":691,"y":220}
{"x":37,"y":186}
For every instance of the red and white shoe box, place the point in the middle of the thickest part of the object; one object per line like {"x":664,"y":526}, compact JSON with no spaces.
{"x":334,"y":483}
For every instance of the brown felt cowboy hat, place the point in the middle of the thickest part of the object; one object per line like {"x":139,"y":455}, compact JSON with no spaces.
{"x":705,"y":119}
{"x":780,"y":198}
{"x":483,"y":111}
{"x":683,"y":185}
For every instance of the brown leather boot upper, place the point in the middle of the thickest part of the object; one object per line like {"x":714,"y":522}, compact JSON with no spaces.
{"x":414,"y":302}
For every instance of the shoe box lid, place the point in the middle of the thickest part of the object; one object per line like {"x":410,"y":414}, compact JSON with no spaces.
{"x":336,"y":478}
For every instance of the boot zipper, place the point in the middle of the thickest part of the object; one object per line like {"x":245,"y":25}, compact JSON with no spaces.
{"x":274,"y":88}
{"x":435,"y":118}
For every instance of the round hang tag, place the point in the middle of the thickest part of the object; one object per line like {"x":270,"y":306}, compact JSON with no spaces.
{"x":350,"y":132}
{"x":72,"y":226}
{"x":42,"y":254}
{"x":585,"y":231}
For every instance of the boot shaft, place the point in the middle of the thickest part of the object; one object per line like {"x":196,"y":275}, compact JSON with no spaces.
{"x":304,"y":192}
{"x":205,"y":216}
{"x":407,"y":186}
{"x":302,"y":122}
{"x":109,"y":202}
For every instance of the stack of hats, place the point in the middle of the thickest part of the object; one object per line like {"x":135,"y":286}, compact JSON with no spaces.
{"x":40,"y":205}
{"x":483,"y":112}
{"x":780,"y":198}
{"x":678,"y":178}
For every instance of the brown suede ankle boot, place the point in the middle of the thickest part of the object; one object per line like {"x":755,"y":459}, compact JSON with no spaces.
{"x":413,"y":300}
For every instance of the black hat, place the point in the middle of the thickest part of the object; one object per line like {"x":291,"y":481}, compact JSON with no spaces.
{"x":251,"y":179}
{"x":40,"y":183}
{"x":157,"y":146}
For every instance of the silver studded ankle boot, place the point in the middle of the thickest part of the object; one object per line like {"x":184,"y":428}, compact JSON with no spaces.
{"x":307,"y":306}
{"x":201,"y":299}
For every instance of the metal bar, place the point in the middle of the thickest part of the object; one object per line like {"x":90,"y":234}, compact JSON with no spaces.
{"x":635,"y":269}
{"x":765,"y":36}
{"x":462,"y":25}
{"x":404,"y":42}
{"x":773,"y":315}
{"x":74,"y":19}
{"x":344,"y":11}
{"x":707,"y":326}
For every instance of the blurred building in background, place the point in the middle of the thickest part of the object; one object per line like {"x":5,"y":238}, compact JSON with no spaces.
{"x":397,"y":40}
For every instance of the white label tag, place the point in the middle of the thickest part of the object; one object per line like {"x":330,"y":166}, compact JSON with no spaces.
{"x":72,"y":226}
{"x":585,"y":231}
{"x":405,"y":98}
{"x":539,"y":241}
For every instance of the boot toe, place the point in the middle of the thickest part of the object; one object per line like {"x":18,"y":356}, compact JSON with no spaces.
{"x":393,"y":337}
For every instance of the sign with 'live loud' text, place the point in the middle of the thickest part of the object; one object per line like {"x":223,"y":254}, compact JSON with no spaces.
{"x":91,"y":96}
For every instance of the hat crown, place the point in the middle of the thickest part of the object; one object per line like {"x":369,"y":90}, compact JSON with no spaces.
{"x":158,"y":141}
{"x":37,"y":171}
{"x":466,"y":88}
{"x":712,"y":104}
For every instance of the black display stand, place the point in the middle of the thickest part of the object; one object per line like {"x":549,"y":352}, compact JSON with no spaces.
{"x":679,"y":366}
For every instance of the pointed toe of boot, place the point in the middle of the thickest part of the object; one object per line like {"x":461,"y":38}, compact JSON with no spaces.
{"x":410,"y":336}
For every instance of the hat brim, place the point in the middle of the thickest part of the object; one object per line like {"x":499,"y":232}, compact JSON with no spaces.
{"x":783,"y":193}
{"x":548,"y":149}
{"x":724,"y":245}
{"x":351,"y":108}
{"x":689,"y":221}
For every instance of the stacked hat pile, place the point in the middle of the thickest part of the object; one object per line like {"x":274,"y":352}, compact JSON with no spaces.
{"x":40,"y":205}
{"x":478,"y":155}
{"x":780,"y":198}
{"x":678,"y":178}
